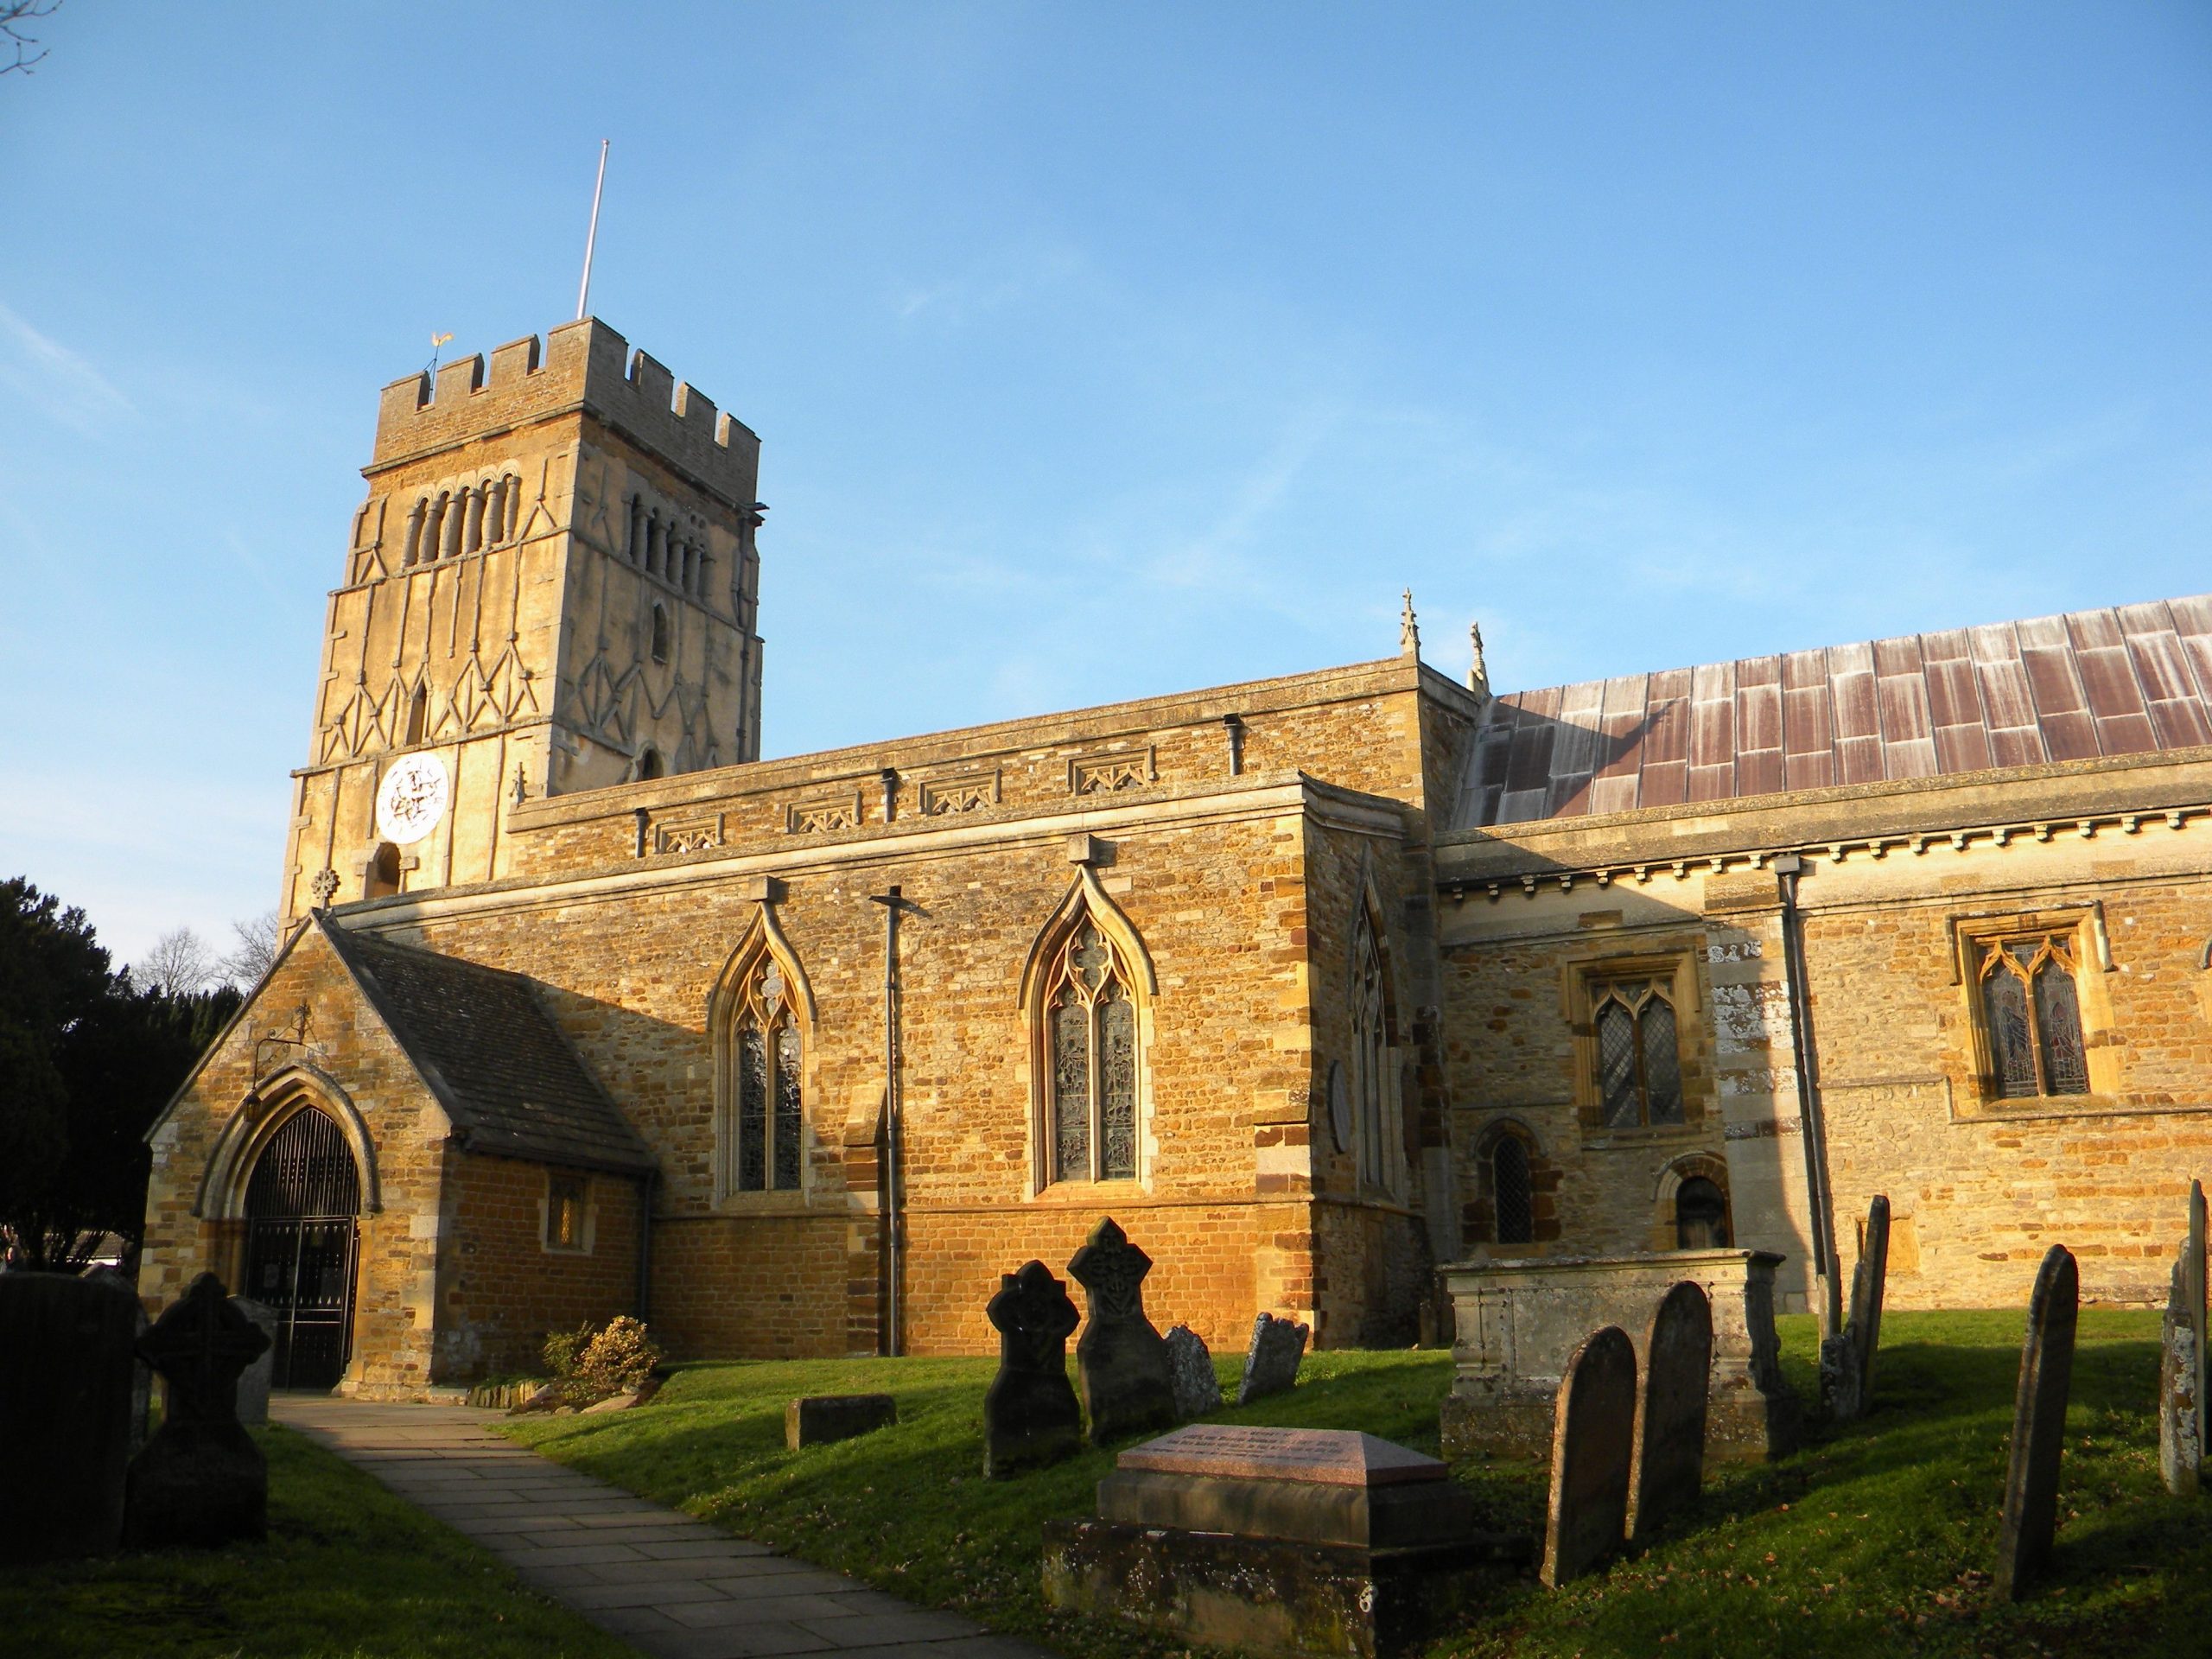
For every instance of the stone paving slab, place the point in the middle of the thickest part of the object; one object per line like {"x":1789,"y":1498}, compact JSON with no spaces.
{"x":672,"y":1586}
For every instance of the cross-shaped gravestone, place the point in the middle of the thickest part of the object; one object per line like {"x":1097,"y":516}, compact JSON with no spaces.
{"x":1030,"y":1415}
{"x":1121,"y":1359}
{"x":2031,"y":1514}
{"x":200,"y":1480}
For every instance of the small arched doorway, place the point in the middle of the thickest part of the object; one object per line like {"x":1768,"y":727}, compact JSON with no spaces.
{"x":302,"y":1210}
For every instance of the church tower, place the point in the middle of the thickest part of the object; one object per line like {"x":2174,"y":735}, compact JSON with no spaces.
{"x":551,"y":588}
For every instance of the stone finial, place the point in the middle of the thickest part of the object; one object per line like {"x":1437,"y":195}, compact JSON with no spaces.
{"x":1477,"y":669}
{"x":1408,"y":629}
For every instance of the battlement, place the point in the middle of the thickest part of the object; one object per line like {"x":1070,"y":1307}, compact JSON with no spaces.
{"x":583,"y":364}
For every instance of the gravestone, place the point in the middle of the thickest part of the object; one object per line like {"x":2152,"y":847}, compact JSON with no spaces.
{"x":1670,"y":1409}
{"x":2181,"y":1453}
{"x":1271,"y":1363}
{"x":1190,"y":1371}
{"x":1847,"y":1358}
{"x":65,"y":1413}
{"x":1592,"y":1440}
{"x":253,"y":1382}
{"x":1030,"y":1415}
{"x":2031,"y":1515}
{"x":1120,"y":1360}
{"x":2196,"y":1291}
{"x":819,"y":1419}
{"x":200,"y":1480}
{"x":1276,"y":1540}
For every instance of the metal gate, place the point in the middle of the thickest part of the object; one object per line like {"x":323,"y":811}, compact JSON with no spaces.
{"x":302,"y":1238}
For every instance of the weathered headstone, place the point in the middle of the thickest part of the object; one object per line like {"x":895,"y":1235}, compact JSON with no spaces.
{"x":1271,"y":1363}
{"x":2181,"y":1453}
{"x":2031,"y":1515}
{"x":1593,"y":1439}
{"x":1847,"y":1358}
{"x":1276,"y":1539}
{"x":65,"y":1413}
{"x":1670,"y":1405}
{"x":1030,"y":1413}
{"x":253,"y":1382}
{"x":821,"y":1418}
{"x":200,"y":1480}
{"x":2196,"y":1291}
{"x":1190,"y":1371}
{"x":1121,"y":1359}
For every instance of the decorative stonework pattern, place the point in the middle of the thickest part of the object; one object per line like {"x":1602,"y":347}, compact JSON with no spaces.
{"x":813,"y":817}
{"x":1103,"y":774}
{"x":941,"y":796}
{"x":688,"y":836}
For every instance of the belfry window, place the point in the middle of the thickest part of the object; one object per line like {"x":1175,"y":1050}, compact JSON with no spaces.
{"x":2031,"y":1015}
{"x":762,"y":1142}
{"x":1090,"y":1044}
{"x":418,"y":714}
{"x":1639,"y":1057}
{"x":660,"y":634}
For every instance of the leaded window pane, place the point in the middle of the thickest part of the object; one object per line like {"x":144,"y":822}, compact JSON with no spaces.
{"x":1118,"y":1085}
{"x":788,"y":1136}
{"x":1662,"y":1065}
{"x":751,"y":1111}
{"x":1513,"y":1199}
{"x":1617,"y":1090}
{"x":2012,"y":1044}
{"x":1070,"y":1032}
{"x":2058,"y":1024}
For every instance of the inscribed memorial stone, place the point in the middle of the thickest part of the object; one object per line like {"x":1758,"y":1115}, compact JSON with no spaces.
{"x":1190,"y":1370}
{"x":819,"y":1419}
{"x":2181,"y":1454}
{"x":1670,"y":1409}
{"x":65,"y":1413}
{"x":1030,"y":1413}
{"x":200,"y":1480}
{"x":1121,"y":1358}
{"x":1593,"y":1439}
{"x":2031,"y":1515}
{"x":254,"y":1380}
{"x":1271,"y":1363}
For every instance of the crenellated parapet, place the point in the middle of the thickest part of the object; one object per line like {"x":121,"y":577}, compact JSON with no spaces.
{"x":581,"y":366}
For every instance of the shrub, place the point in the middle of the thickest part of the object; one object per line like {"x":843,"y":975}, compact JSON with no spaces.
{"x":563,"y":1349}
{"x":619,"y":1358}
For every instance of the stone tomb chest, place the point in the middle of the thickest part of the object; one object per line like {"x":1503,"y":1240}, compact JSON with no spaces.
{"x":1518,"y":1321}
{"x":1275,"y":1540}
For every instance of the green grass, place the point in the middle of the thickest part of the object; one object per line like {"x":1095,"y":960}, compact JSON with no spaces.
{"x":349,"y":1571}
{"x":1877,"y":1538}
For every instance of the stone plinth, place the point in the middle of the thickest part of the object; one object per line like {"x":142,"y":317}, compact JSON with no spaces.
{"x":1519,"y":1320}
{"x":65,"y":1413}
{"x":819,"y":1419}
{"x":1276,"y":1541}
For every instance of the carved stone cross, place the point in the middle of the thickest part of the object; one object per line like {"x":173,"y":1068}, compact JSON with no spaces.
{"x":1035,"y":1319}
{"x":200,"y":1346}
{"x":1111,"y":1271}
{"x":1121,"y":1360}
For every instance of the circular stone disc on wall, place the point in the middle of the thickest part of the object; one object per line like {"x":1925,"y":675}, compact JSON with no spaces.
{"x":1340,"y":1106}
{"x":412,"y":798}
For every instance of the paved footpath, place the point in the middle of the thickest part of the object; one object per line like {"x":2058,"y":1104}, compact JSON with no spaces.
{"x":672,"y":1586}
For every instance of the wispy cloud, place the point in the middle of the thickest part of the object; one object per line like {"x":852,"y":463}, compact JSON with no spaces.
{"x":1019,"y":275}
{"x":55,"y":380}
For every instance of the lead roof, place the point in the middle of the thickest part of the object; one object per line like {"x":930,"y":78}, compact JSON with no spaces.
{"x":2136,"y":679}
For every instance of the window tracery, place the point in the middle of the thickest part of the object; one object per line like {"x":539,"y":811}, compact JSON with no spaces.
{"x":2032,"y":1013}
{"x":760,"y":1140}
{"x":1639,"y":1053}
{"x":1370,"y":1080}
{"x":1090,"y":1019}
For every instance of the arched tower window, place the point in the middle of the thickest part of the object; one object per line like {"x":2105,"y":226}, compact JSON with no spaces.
{"x":762,"y":1008}
{"x":382,"y":876}
{"x":414,"y":551}
{"x":660,"y":634}
{"x":418,"y":714}
{"x":495,"y":511}
{"x":473,"y":535}
{"x":456,"y":517}
{"x":650,"y":765}
{"x":511,"y":526}
{"x":433,"y":526}
{"x":634,"y":549}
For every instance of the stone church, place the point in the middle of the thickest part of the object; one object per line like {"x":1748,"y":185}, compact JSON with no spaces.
{"x":1313,"y":983}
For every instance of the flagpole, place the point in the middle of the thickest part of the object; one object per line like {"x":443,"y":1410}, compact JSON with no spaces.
{"x":591,"y":237}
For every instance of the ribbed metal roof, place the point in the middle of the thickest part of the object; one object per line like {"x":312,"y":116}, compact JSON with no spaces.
{"x":2132,"y":680}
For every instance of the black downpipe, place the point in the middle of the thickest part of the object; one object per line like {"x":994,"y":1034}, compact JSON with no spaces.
{"x":890,"y":1207}
{"x":1811,"y":1119}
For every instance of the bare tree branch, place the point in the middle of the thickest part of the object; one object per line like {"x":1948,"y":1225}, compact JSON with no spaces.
{"x":179,"y":965}
{"x":253,"y":950}
{"x":14,"y":14}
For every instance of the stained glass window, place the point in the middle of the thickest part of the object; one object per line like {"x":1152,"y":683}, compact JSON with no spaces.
{"x":765,"y":1151}
{"x":1639,"y":1055}
{"x":1512,"y":1195}
{"x":1090,"y":1035}
{"x":2031,"y":1016}
{"x":1370,"y":1054}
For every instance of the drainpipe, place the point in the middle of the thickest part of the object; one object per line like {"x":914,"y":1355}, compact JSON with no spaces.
{"x":645,"y":1244}
{"x":1786,"y":869}
{"x":891,"y":1207}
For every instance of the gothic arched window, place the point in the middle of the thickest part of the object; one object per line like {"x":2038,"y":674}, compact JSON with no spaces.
{"x":418,"y":714}
{"x":1639,"y":1059}
{"x":1512,"y":1191}
{"x":760,"y":1128}
{"x":2033,"y":1016}
{"x":1373,"y":1087}
{"x":660,"y":634}
{"x":1090,"y":1016}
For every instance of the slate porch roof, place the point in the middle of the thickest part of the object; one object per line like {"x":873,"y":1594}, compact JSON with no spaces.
{"x":510,"y":1080}
{"x":2136,"y":679}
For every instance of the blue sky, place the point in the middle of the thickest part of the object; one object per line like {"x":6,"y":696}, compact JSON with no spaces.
{"x":1098,"y":350}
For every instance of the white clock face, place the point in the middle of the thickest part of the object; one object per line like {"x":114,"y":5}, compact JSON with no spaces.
{"x":412,"y":798}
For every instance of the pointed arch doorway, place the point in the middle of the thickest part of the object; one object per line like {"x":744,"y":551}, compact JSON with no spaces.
{"x":304,"y":1235}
